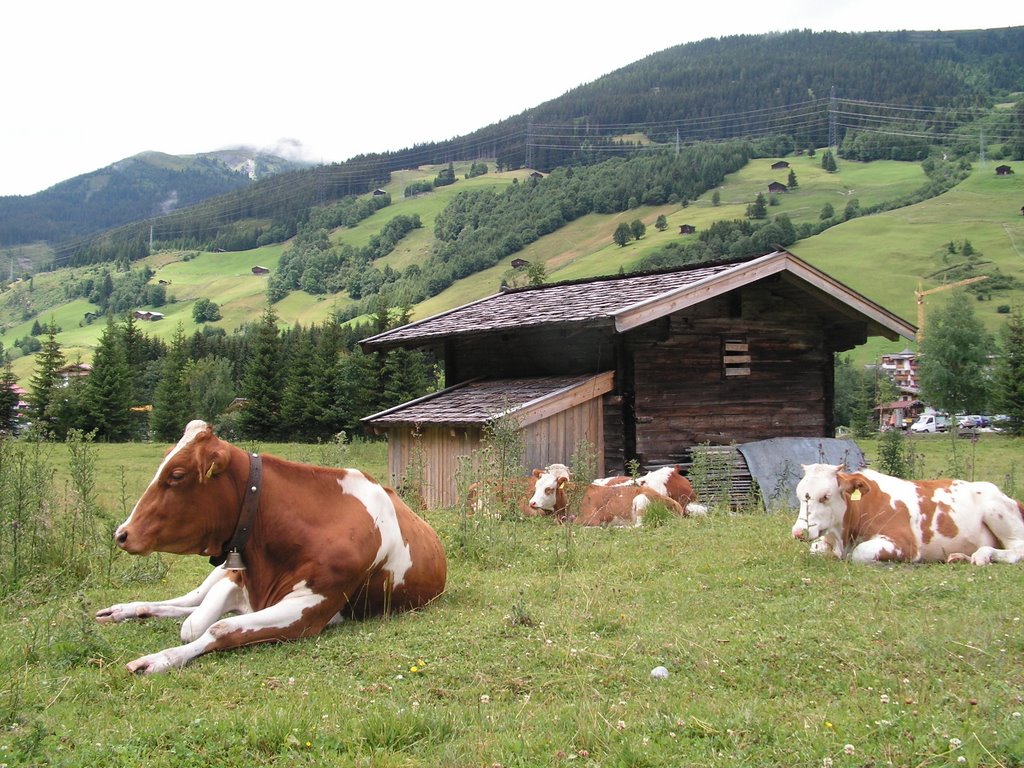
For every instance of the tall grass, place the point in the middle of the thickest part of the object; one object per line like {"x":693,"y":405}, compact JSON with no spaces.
{"x":775,"y":657}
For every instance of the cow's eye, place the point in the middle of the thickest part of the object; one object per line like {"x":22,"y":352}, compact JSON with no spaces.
{"x":177,"y":475}
{"x":824,"y":499}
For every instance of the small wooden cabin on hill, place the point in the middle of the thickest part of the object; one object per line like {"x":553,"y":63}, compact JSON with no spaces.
{"x":641,"y":366}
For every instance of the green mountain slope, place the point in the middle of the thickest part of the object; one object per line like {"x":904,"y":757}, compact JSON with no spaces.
{"x":885,"y":256}
{"x":143,"y":186}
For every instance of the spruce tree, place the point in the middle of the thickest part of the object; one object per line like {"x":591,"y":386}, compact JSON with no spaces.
{"x":8,"y":396}
{"x":135,"y":351}
{"x":325,"y":396}
{"x":263,"y":381}
{"x":44,"y":386}
{"x":107,"y":395}
{"x":172,"y":408}
{"x":299,"y":405}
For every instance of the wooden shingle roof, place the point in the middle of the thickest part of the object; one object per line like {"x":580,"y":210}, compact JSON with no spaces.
{"x":626,"y":302}
{"x":475,"y":403}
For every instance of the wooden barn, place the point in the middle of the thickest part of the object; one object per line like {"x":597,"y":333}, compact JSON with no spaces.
{"x":642,"y":366}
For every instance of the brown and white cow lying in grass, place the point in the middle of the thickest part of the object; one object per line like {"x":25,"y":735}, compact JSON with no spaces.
{"x":316,"y":545}
{"x":670,"y":481}
{"x":869,"y":517}
{"x":608,"y":501}
{"x":499,"y":497}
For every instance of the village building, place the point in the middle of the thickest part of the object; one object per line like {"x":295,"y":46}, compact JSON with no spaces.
{"x":642,"y":367}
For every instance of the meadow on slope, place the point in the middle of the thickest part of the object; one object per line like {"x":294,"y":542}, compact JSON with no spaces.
{"x":884,"y":256}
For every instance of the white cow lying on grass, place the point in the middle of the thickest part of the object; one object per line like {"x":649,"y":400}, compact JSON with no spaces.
{"x":868,"y":517}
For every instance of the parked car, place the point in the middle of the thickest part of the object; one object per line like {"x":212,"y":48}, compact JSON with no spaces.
{"x":973,"y":422}
{"x":930,"y":422}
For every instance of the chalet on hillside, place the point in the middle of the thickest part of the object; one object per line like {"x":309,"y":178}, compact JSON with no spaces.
{"x":777,"y":187}
{"x":641,"y":366}
{"x":258,"y":270}
{"x":147,"y":314}
{"x":520,"y":263}
{"x":780,"y":165}
{"x":687,"y":229}
{"x":1003,"y":170}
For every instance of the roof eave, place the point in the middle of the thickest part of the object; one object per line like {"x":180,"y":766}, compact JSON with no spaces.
{"x":880,"y":321}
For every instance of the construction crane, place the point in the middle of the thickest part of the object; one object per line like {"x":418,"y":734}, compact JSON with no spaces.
{"x":919,"y":295}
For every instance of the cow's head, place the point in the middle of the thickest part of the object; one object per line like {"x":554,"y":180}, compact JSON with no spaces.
{"x":549,"y":489}
{"x":188,"y":507}
{"x":824,"y":494}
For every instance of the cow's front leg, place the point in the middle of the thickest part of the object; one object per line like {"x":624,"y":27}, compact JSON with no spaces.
{"x":827,"y":545}
{"x":878,"y":549}
{"x":301,"y":613}
{"x":225,"y":596}
{"x":174,"y":608}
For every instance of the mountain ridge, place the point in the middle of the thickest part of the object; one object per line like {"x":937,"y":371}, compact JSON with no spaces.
{"x":144,"y":185}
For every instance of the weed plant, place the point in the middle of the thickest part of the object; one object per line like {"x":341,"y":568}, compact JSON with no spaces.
{"x":711,"y":474}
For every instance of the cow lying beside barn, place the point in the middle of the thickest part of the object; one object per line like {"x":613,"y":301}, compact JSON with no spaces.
{"x":501,"y":496}
{"x":314,"y":546}
{"x":869,"y":517}
{"x":612,"y":501}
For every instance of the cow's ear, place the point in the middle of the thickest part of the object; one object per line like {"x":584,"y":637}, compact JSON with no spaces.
{"x":538,"y":472}
{"x":563,"y":482}
{"x":214,"y":461}
{"x":852,"y":485}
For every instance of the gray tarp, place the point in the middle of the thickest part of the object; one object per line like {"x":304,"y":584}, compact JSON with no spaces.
{"x":775,"y":464}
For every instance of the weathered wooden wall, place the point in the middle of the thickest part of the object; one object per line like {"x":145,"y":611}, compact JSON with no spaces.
{"x":555,"y":439}
{"x":441,"y":448}
{"x":779,"y":382}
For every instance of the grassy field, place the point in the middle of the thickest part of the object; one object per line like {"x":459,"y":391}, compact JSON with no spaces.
{"x":540,"y":652}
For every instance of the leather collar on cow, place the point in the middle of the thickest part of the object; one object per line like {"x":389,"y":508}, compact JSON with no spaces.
{"x":232,"y":549}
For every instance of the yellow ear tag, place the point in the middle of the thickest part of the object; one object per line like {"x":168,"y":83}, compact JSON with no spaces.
{"x":209,"y":473}
{"x":855,"y":496}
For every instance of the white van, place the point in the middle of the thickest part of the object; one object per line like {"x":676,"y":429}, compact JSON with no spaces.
{"x":930,"y":422}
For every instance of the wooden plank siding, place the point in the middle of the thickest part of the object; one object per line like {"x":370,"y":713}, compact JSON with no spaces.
{"x":685,"y":394}
{"x":555,"y":439}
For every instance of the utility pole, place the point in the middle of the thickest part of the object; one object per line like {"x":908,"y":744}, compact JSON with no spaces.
{"x":833,"y":134}
{"x":529,"y":145}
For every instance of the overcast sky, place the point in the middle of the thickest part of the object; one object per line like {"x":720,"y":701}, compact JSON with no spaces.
{"x":85,"y":84}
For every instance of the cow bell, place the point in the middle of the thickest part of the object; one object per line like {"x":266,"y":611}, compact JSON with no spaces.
{"x":234,"y":561}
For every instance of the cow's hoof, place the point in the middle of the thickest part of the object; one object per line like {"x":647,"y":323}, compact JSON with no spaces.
{"x":958,"y":557}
